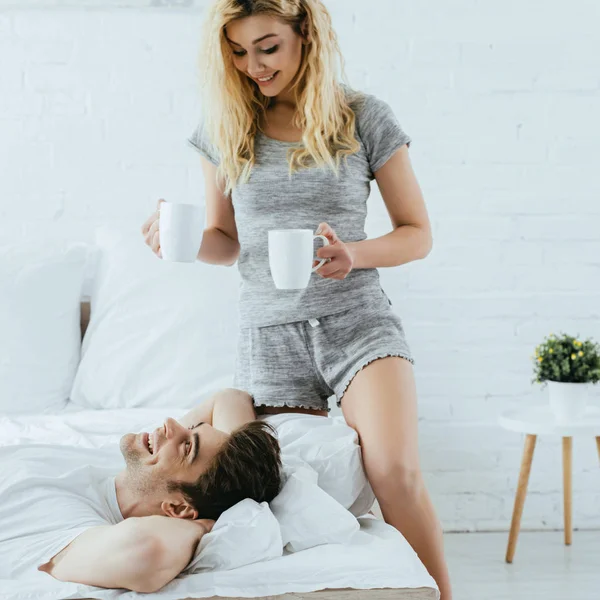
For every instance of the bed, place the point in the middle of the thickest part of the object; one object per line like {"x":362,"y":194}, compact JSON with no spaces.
{"x":378,"y":565}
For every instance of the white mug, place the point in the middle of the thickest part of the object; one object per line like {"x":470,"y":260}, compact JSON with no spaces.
{"x":291,"y":257}
{"x":180,"y":230}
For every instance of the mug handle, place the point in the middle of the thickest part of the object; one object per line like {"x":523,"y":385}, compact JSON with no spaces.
{"x":323,"y":260}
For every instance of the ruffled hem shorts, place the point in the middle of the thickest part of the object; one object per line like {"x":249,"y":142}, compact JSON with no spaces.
{"x":302,"y":364}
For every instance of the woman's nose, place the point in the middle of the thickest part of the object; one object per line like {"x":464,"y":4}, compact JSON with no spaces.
{"x":254,"y":67}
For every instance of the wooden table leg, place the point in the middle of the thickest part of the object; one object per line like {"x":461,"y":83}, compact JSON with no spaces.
{"x":520,"y":496}
{"x":567,"y":445}
{"x":598,"y":444}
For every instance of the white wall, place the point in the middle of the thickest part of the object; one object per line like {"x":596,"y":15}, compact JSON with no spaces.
{"x":501,"y":99}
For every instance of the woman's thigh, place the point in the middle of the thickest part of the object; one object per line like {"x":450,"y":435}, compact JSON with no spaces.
{"x":381,"y":405}
{"x":346,"y":343}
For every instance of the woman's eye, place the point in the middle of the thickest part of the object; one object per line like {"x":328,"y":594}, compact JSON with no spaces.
{"x":271,"y":50}
{"x":188,"y":447}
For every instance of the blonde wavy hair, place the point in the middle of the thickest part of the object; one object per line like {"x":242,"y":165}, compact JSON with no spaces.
{"x":233,"y":105}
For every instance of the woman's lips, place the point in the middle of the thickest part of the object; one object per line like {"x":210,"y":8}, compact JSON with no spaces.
{"x":266,"y":83}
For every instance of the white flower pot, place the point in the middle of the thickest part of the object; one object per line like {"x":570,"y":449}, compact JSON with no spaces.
{"x":567,"y":400}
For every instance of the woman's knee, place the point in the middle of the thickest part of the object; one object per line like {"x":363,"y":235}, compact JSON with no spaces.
{"x":394,"y":480}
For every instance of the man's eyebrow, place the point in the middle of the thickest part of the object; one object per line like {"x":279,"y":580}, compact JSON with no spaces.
{"x":196,"y":447}
{"x":260,"y":39}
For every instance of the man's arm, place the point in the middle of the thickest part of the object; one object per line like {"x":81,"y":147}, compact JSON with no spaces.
{"x":226,"y":410}
{"x":141,"y":554}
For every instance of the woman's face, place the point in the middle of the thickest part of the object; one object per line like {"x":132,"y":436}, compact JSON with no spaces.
{"x":265,"y":48}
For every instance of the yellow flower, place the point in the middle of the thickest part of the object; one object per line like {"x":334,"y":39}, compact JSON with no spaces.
{"x":551,"y":351}
{"x":573,"y":356}
{"x":580,"y":353}
{"x":540,"y":359}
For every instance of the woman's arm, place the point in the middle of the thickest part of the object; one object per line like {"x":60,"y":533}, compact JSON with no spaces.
{"x":411,"y":238}
{"x":217,"y":248}
{"x":220,"y":244}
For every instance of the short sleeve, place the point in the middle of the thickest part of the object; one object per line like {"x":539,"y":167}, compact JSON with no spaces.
{"x":380,"y":131}
{"x":200,"y":141}
{"x":66,"y":496}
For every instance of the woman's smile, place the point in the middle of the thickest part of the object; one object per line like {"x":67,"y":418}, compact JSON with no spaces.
{"x":265,"y":81}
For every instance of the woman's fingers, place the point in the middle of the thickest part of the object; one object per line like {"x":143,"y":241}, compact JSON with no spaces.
{"x":326,"y":230}
{"x":153,"y":217}
{"x":328,"y":270}
{"x":328,"y":252}
{"x":150,"y":231}
{"x":148,"y":223}
{"x":333,"y":275}
{"x":318,"y":262}
{"x":149,"y":237}
{"x":154,"y":227}
{"x":155,"y":242}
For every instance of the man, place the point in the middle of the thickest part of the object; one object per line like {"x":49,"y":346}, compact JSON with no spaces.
{"x":140,"y":529}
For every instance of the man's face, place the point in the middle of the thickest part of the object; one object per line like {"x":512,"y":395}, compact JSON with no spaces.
{"x":170,"y":453}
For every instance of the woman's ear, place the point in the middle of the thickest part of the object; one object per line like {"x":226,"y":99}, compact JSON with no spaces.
{"x":305,"y":34}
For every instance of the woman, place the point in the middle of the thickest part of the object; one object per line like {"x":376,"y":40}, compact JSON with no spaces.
{"x":284,"y":144}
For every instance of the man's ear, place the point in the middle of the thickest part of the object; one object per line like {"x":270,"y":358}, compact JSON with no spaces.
{"x":179,"y":509}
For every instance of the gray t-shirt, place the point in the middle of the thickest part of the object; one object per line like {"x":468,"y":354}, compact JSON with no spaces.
{"x":271,"y":200}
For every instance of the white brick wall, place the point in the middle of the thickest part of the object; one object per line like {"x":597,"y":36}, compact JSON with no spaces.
{"x":501,"y":99}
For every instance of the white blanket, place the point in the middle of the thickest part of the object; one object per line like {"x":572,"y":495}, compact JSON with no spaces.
{"x":313,"y":541}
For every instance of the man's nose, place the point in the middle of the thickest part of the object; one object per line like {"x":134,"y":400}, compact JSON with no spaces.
{"x":173,"y":428}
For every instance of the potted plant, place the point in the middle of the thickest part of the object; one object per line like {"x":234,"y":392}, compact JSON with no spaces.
{"x":568,"y":366}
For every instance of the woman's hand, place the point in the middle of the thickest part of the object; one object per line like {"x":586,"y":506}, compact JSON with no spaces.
{"x":340,"y":257}
{"x":150,"y":231}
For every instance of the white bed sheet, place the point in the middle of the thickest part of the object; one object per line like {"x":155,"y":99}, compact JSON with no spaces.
{"x":378,"y":557}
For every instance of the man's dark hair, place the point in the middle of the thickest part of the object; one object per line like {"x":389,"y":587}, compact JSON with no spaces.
{"x":247,"y":466}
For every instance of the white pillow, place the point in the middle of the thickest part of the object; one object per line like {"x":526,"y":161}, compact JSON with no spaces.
{"x":40,"y":335}
{"x":161,"y":334}
{"x":309,"y":516}
{"x":330,"y":447}
{"x":246,"y":533}
{"x":301,"y":516}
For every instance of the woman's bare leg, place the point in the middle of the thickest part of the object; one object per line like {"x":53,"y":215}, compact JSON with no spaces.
{"x":381,"y":405}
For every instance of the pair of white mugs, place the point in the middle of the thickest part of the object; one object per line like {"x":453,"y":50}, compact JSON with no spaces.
{"x":290,"y":250}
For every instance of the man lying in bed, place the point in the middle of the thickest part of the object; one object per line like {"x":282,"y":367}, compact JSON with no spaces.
{"x":140,"y":529}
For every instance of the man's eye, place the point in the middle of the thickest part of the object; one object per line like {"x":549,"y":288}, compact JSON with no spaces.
{"x":188,"y":447}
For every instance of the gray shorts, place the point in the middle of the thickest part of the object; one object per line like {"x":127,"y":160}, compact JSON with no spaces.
{"x":302,"y":364}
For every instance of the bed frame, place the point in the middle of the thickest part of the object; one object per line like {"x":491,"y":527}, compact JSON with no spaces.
{"x":329,"y":594}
